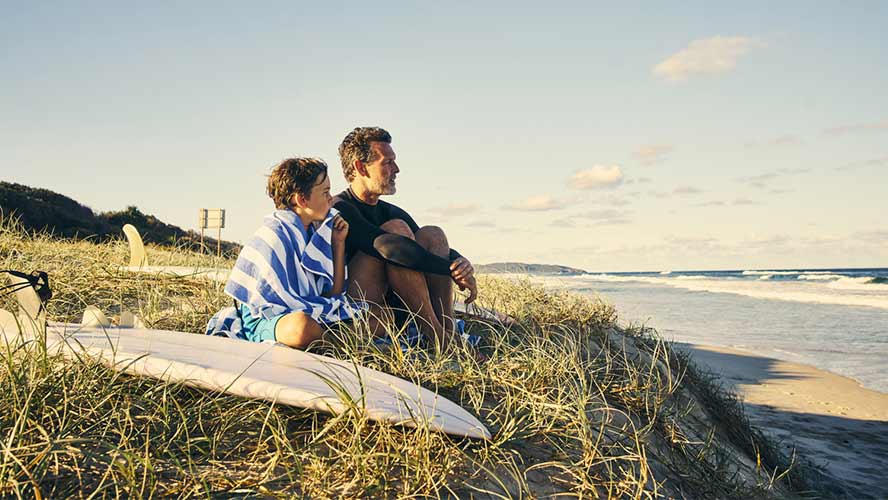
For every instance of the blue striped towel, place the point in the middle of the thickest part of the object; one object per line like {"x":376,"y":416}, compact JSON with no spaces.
{"x":283,"y":268}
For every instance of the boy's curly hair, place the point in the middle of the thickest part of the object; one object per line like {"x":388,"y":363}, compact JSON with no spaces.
{"x":292,"y":176}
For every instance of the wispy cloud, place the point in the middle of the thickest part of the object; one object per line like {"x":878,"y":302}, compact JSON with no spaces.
{"x":686,"y":191}
{"x":597,"y":177}
{"x":744,"y":201}
{"x":875,"y":162}
{"x":857,"y":128}
{"x":783,"y":140}
{"x":759,"y":181}
{"x":652,"y":154}
{"x":541,"y":203}
{"x":708,"y":56}
{"x":603,"y":217}
{"x":764,"y":181}
{"x":609,"y":199}
{"x":793,"y":171}
{"x":878,"y":237}
{"x":638,"y":180}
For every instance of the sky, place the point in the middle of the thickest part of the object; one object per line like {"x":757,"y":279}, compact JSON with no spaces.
{"x":631,"y":137}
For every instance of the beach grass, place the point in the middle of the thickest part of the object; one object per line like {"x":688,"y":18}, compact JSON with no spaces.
{"x":577,"y":406}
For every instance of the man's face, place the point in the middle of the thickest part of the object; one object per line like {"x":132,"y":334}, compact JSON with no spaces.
{"x":383,"y":170}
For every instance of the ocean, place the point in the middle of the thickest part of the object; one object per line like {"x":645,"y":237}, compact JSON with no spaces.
{"x":834,"y":319}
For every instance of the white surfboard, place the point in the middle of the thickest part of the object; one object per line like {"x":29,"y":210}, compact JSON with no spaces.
{"x":138,"y":262}
{"x":255,"y":370}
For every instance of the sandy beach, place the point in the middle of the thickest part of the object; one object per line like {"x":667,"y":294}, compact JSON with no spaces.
{"x":831,"y":419}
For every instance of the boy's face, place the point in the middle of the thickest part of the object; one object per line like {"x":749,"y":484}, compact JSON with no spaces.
{"x":318,"y":204}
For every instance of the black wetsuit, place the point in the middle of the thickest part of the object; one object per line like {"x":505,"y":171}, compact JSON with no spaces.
{"x":365,"y":235}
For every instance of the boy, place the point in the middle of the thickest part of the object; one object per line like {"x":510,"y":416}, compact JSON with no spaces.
{"x":289,"y":279}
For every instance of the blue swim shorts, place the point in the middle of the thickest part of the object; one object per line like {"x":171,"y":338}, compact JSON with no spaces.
{"x":258,"y":329}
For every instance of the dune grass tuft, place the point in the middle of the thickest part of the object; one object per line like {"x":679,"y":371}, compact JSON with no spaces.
{"x":577,"y":406}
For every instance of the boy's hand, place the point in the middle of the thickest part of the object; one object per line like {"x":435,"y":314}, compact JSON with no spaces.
{"x":340,"y":230}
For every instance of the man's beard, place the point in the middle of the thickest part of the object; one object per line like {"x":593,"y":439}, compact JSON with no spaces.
{"x":386,"y":188}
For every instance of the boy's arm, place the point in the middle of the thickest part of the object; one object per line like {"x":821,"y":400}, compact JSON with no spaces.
{"x":338,"y":270}
{"x":337,"y":243}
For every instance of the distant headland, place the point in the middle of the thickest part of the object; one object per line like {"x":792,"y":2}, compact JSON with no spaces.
{"x":521,"y":267}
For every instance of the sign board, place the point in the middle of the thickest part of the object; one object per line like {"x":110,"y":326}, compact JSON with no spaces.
{"x":211,"y":218}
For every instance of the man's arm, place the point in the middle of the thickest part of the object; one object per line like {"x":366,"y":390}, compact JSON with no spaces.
{"x":461,"y":270}
{"x":393,"y":248}
{"x":397,"y":212}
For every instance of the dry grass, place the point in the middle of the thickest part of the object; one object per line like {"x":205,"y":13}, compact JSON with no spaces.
{"x":576,"y":406}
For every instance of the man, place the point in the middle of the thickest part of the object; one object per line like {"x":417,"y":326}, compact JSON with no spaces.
{"x":386,"y":250}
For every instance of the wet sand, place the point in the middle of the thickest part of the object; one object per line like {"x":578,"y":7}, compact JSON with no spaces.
{"x":830,"y":419}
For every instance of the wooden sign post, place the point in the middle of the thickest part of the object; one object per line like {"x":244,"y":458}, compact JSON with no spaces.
{"x":210,"y":218}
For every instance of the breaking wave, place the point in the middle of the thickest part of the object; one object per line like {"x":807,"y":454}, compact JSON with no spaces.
{"x":811,"y":287}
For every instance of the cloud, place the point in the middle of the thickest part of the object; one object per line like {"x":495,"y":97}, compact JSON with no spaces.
{"x":454,"y":209}
{"x":856,"y":128}
{"x":708,"y":56}
{"x":536,"y":204}
{"x":793,"y":171}
{"x":686,"y":190}
{"x":875,"y":162}
{"x":877,"y":237}
{"x":638,"y":180}
{"x":599,"y":176}
{"x":602,"y":217}
{"x":758,"y":181}
{"x":652,"y":154}
{"x":611,"y":200}
{"x":762,"y":181}
{"x":783,"y":140}
{"x":744,"y":201}
{"x":710,"y":204}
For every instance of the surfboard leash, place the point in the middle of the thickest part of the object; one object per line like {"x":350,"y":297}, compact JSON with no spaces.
{"x":39,"y":280}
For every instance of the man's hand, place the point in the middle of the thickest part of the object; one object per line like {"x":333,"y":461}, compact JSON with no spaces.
{"x":461,"y":268}
{"x":468,"y":283}
{"x":340,"y":231}
{"x":463,"y":275}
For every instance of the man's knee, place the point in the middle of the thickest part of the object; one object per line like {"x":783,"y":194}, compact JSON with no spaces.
{"x":433,"y":239}
{"x":398,"y":226}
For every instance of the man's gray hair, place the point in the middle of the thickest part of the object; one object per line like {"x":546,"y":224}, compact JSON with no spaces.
{"x":356,"y":147}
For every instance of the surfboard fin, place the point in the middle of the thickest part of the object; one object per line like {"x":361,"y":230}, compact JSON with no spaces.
{"x":138,"y":257}
{"x":130,"y":320}
{"x":93,"y":316}
{"x":31,"y":314}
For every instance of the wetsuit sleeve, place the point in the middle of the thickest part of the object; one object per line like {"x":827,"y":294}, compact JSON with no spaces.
{"x":369,"y":238}
{"x":399,"y":213}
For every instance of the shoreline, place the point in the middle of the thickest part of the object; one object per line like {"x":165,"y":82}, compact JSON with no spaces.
{"x":832,"y":420}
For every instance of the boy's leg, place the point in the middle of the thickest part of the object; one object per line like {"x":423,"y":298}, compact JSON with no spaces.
{"x":297,"y":330}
